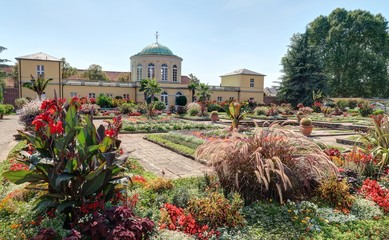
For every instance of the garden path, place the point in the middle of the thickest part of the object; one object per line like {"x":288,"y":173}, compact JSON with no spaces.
{"x":157,"y":159}
{"x":8,"y":127}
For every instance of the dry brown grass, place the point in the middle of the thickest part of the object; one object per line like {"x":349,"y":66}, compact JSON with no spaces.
{"x":275,"y":163}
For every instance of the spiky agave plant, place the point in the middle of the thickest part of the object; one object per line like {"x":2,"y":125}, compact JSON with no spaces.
{"x":274,"y":163}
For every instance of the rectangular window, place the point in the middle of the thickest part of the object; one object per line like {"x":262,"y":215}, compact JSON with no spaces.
{"x":175,"y":74}
{"x":92,"y":95}
{"x":73,"y":94}
{"x":252,"y":82}
{"x":40,"y":70}
{"x":126,"y":96}
{"x":219,"y":99}
{"x":109,"y":95}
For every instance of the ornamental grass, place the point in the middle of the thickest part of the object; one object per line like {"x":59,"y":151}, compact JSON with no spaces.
{"x":274,"y":163}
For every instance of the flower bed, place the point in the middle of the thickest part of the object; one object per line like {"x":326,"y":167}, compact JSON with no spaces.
{"x":152,"y":126}
{"x":182,"y":144}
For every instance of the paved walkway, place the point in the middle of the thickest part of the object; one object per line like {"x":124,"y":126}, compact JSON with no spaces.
{"x":8,"y":127}
{"x":157,"y":159}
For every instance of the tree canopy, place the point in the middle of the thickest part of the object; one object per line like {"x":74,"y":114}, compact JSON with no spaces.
{"x":37,"y":85}
{"x":95,"y":72}
{"x":348,"y":50}
{"x":67,"y":70}
{"x":2,"y":75}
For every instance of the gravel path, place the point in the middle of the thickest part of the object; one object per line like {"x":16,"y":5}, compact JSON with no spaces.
{"x":8,"y":127}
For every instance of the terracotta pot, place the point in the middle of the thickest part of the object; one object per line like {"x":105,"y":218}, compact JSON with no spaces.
{"x":306,"y":130}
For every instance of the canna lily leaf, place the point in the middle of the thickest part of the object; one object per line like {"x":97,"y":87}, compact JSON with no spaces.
{"x":22,"y":176}
{"x":63,"y":177}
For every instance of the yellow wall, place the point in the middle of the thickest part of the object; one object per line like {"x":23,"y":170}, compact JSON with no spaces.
{"x":83,"y":91}
{"x":230,"y":81}
{"x":52,"y":69}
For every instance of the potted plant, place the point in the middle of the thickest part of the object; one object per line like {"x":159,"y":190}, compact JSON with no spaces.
{"x":299,"y":115}
{"x":306,"y":126}
{"x":214,"y":116}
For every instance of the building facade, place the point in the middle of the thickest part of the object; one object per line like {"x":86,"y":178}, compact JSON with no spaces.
{"x":155,"y":61}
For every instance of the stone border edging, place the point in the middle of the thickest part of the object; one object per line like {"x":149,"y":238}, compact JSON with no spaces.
{"x":348,"y":142}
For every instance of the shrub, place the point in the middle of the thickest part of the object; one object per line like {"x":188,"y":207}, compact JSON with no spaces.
{"x":194,"y":109}
{"x":148,"y":100}
{"x":365,"y":109}
{"x":306,"y":110}
{"x":272,"y":163}
{"x":352,"y":104}
{"x":128,"y":108}
{"x":104,"y":101}
{"x":285,"y":108}
{"x":28,"y":113}
{"x":336,"y":193}
{"x":88,"y":108}
{"x":181,"y":110}
{"x":365,"y":209}
{"x":342,"y":104}
{"x":159,"y":185}
{"x":142,"y":108}
{"x":216,"y":211}
{"x":378,"y":112}
{"x":159,"y":106}
{"x":213,"y":107}
{"x":272,"y":110}
{"x":20,"y":102}
{"x":181,"y":100}
{"x":261,"y":110}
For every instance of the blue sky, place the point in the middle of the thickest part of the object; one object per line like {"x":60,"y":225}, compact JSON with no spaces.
{"x":212,"y":36}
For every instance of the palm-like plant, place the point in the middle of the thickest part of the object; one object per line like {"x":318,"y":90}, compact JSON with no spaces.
{"x":235,"y":112}
{"x":203,"y":91}
{"x":37,"y":85}
{"x":143,"y":84}
{"x":193,"y":86}
{"x":151,"y":88}
{"x":377,"y":143}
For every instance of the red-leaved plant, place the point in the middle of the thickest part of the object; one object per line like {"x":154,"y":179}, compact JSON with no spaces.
{"x":372,"y":190}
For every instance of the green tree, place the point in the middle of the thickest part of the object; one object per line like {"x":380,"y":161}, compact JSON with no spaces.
{"x":142,"y":87}
{"x":151,"y":88}
{"x":124,"y":77}
{"x":67,"y":70}
{"x":353,"y":47}
{"x":95,"y":72}
{"x":303,"y":72}
{"x":2,"y":76}
{"x":194,"y":82}
{"x":203,"y":92}
{"x":39,"y":85}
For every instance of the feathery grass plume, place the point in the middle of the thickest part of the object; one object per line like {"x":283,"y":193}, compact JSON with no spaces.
{"x":274,"y":163}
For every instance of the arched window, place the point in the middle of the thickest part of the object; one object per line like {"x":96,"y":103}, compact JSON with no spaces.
{"x":174,"y":73}
{"x":164,"y":72}
{"x":178,"y":94}
{"x":151,"y":71}
{"x":164,"y":98}
{"x":139,"y":72}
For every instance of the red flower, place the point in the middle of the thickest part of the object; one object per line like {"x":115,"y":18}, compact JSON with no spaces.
{"x":56,"y":128}
{"x":38,"y":124}
{"x":110,"y":133}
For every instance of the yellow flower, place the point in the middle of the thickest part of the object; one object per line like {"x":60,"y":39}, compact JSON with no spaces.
{"x":294,"y":217}
{"x":303,"y":221}
{"x":289,"y":210}
{"x":13,"y":226}
{"x":307,"y":218}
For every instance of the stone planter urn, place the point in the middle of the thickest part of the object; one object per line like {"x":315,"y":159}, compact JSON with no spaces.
{"x":214,"y":116}
{"x":306,"y":126}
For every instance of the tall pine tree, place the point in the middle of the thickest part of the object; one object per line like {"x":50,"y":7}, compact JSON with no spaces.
{"x":303,"y":72}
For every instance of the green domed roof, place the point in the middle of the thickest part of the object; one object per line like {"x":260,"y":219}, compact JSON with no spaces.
{"x":156,"y":49}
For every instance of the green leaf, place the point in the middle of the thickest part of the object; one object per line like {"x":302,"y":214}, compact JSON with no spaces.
{"x":71,"y":117}
{"x":93,"y":174}
{"x":22,"y":176}
{"x":105,"y":144}
{"x":44,"y":203}
{"x":71,"y":166}
{"x":62,"y":178}
{"x":63,"y":205}
{"x":94,"y":185}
